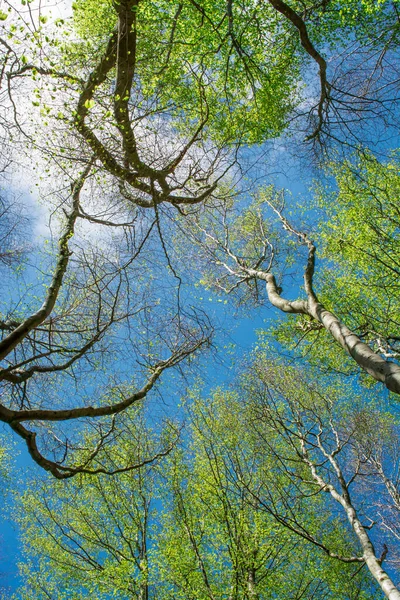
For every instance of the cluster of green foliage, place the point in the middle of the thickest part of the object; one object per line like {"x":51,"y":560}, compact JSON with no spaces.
{"x":232,"y":510}
{"x":357,"y":237}
{"x":188,"y":66}
{"x":188,"y":527}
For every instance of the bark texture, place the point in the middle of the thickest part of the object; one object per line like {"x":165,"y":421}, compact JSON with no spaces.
{"x":369,"y":555}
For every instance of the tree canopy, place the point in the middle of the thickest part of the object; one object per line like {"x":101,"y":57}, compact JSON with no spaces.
{"x":146,"y":150}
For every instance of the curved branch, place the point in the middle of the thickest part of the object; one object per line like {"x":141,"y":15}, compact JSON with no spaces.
{"x":380,"y":369}
{"x":17,"y":335}
{"x":309,"y":47}
{"x":66,"y":472}
{"x":16,"y":418}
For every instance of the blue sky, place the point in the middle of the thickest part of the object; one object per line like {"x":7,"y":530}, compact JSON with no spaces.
{"x":237,"y":331}
{"x":276,"y":163}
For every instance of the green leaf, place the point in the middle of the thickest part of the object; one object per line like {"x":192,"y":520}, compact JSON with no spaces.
{"x":89,"y":104}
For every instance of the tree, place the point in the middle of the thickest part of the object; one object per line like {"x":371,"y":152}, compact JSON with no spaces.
{"x":217,"y":543}
{"x":338,"y":446}
{"x":83,"y":302}
{"x":186,"y":527}
{"x":250,"y":248}
{"x":93,"y":536}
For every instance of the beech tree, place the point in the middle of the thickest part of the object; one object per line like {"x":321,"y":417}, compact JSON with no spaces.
{"x":342,"y":449}
{"x":185,"y":526}
{"x":83,"y":303}
{"x":358,"y":239}
{"x":218,"y":543}
{"x":101,"y":528}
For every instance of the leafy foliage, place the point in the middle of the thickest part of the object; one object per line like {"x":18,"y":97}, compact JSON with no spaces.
{"x":357,"y":243}
{"x":138,"y":117}
{"x":189,"y":527}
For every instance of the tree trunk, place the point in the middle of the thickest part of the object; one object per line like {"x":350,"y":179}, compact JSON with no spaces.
{"x":369,"y":555}
{"x":251,"y":584}
{"x":380,"y":369}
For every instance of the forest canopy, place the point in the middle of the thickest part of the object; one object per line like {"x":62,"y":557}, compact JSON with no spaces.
{"x":173,"y":173}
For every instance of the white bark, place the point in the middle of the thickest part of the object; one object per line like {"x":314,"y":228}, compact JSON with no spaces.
{"x":373,"y":563}
{"x":380,"y":369}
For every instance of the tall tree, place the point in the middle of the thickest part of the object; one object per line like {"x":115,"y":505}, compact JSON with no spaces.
{"x":216,"y":542}
{"x":90,"y":303}
{"x":95,"y":533}
{"x":186,"y":528}
{"x":358,"y":239}
{"x":339,"y":446}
